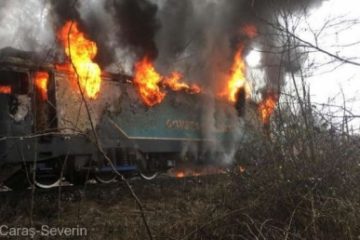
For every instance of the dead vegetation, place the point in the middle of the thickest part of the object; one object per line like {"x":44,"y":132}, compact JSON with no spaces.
{"x":300,"y":182}
{"x":301,"y":178}
{"x":296,"y":178}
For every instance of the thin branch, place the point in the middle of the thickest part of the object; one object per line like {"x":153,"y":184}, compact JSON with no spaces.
{"x":309,"y":44}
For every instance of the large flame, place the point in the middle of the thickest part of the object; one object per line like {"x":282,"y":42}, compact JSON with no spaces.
{"x":149,"y":82}
{"x":267,"y":107}
{"x":173,"y":82}
{"x":41,"y":81}
{"x":81,"y":52}
{"x":5,"y":89}
{"x":237,"y":78}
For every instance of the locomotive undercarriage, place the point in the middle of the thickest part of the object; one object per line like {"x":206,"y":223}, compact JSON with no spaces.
{"x":76,"y":161}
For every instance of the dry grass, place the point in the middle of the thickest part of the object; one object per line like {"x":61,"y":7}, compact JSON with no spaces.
{"x":301,"y":182}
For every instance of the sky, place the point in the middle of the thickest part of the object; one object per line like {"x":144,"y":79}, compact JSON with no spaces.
{"x":329,"y":80}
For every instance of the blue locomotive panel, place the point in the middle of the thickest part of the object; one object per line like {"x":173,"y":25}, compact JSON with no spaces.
{"x":181,"y":116}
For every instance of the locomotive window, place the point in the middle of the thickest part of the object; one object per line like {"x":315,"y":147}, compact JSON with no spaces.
{"x":14,"y":82}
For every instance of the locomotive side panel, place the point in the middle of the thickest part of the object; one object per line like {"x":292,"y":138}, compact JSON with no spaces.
{"x":171,"y":126}
{"x":71,"y":110}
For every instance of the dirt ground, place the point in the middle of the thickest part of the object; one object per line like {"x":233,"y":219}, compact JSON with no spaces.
{"x":174,"y":208}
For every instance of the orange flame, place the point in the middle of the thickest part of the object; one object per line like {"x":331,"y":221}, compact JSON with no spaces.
{"x":180,"y":174}
{"x":267,"y":107}
{"x":173,"y":82}
{"x":195,"y":171}
{"x":41,"y":81}
{"x":149,"y":82}
{"x":5,"y":89}
{"x":237,"y":78}
{"x":81,"y":52}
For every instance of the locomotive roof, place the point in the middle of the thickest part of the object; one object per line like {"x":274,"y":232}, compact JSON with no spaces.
{"x":20,"y":58}
{"x":15,"y":58}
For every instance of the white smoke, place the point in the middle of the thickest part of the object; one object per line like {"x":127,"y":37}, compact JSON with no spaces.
{"x":24,"y":25}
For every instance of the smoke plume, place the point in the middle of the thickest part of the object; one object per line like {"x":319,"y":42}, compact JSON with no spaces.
{"x":196,"y":37}
{"x":137,"y":25}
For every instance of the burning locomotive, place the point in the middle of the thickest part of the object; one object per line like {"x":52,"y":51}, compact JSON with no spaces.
{"x":74,"y":121}
{"x":50,"y":130}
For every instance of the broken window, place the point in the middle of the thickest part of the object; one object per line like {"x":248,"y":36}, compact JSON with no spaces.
{"x":16,"y":84}
{"x":13,"y":82}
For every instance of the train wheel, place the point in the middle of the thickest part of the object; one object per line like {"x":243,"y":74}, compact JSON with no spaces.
{"x":47,"y":183}
{"x":104,"y":172}
{"x":20,"y":180}
{"x":148,"y":169}
{"x":49,"y":178}
{"x":105,"y":178}
{"x":149,"y":176}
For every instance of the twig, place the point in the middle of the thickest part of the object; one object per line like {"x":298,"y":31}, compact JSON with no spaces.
{"x":309,"y":44}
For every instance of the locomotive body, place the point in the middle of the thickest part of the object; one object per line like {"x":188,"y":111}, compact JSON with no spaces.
{"x":67,"y":134}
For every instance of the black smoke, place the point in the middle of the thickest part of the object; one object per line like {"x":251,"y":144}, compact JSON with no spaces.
{"x":113,"y":25}
{"x":63,"y":11}
{"x":205,"y":35}
{"x":198,"y":38}
{"x":137,"y":25}
{"x":92,"y":24}
{"x":100,"y":28}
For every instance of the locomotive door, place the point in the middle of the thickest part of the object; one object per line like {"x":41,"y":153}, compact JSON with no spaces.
{"x":44,"y":104}
{"x":15,"y":115}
